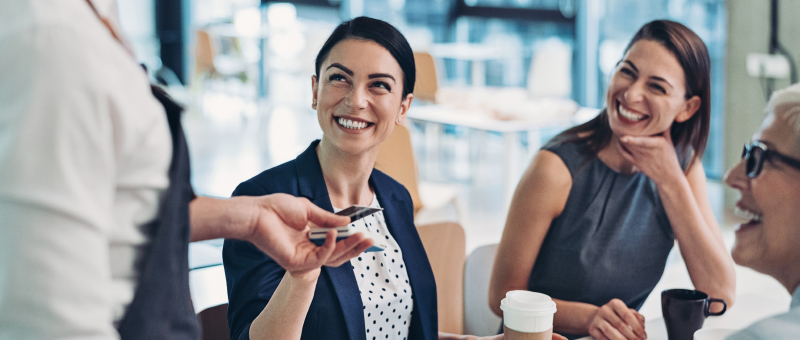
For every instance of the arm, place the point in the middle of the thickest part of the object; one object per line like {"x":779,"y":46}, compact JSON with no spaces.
{"x":289,"y":304}
{"x":686,"y":203}
{"x":277,"y":224}
{"x":541,"y":197}
{"x":278,"y":263}
{"x":285,"y":313}
{"x":699,"y":236}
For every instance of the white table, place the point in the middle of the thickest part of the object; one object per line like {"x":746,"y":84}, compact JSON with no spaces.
{"x":757,"y":296}
{"x":510,"y":129}
{"x":476,"y":54}
{"x":749,"y":308}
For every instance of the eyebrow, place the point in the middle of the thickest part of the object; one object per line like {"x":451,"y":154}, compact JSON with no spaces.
{"x":341,"y":67}
{"x":381,"y":75}
{"x":656,"y":78}
{"x":351,"y":73}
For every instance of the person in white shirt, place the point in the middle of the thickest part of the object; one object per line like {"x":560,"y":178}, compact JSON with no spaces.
{"x":85,"y":155}
{"x":768,"y":181}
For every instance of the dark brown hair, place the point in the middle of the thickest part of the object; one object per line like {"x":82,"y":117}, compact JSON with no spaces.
{"x":692,"y":55}
{"x":380,"y":32}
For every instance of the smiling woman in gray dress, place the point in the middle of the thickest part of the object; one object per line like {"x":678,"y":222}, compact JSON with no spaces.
{"x":597,"y":212}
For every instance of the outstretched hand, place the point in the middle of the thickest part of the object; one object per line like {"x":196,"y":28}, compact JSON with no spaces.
{"x":653,"y":155}
{"x":281,"y":227}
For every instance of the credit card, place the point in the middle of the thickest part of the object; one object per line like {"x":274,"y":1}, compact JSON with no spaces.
{"x":358,"y":212}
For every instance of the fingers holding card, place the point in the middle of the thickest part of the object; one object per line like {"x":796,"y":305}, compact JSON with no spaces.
{"x":355,"y":212}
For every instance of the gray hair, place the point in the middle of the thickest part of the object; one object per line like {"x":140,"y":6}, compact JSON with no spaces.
{"x":785,"y":104}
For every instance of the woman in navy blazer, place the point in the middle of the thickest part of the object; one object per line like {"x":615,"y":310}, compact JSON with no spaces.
{"x":363,"y":86}
{"x":336,"y":309}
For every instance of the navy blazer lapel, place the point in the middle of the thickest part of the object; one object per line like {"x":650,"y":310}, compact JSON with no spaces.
{"x":310,"y":181}
{"x":393,"y":207}
{"x":311,"y":185}
{"x":398,"y":214}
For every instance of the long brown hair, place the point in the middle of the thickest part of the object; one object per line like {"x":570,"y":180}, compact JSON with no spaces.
{"x":692,"y":55}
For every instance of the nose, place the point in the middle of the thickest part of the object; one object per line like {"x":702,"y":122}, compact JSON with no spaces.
{"x":635,"y":92}
{"x":736,"y":177}
{"x":358,"y":98}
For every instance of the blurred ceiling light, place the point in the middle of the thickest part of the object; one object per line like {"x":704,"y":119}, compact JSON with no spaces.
{"x":281,"y":15}
{"x":287,"y":44}
{"x":248,"y":21}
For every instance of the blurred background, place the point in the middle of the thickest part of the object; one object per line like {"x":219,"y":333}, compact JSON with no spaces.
{"x":502,"y":77}
{"x":243,"y":69}
{"x":497,"y":78}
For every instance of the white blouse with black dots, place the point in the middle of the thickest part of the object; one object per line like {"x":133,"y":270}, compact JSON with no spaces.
{"x":383,"y":284}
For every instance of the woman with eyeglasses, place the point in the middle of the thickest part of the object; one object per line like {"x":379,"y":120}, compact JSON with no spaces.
{"x":768,"y":181}
{"x":597,"y":212}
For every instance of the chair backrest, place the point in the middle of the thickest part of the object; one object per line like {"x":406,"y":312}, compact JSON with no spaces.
{"x":396,"y":159}
{"x":478,"y":317}
{"x":203,"y":52}
{"x":214,"y":321}
{"x":427,"y":81}
{"x":445,"y":245}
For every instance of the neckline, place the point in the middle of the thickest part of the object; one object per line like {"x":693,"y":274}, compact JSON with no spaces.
{"x":374,"y":203}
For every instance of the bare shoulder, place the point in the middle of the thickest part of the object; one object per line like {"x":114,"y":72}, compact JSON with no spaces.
{"x":549,"y":170}
{"x":545,"y":185}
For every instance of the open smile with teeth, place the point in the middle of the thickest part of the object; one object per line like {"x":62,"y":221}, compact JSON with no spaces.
{"x":750,"y":216}
{"x":628,"y":114}
{"x":352,"y":124}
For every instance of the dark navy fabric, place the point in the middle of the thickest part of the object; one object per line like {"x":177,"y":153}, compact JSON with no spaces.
{"x":612,"y":239}
{"x":162,"y":306}
{"x":336,"y":312}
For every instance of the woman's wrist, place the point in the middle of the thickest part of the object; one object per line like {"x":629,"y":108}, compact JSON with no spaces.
{"x":304,"y":278}
{"x":672,"y":182}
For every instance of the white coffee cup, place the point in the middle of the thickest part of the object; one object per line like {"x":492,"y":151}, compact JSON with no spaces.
{"x":713,"y":333}
{"x":528,"y":313}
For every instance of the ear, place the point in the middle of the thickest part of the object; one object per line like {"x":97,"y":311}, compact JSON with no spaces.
{"x":690,"y":107}
{"x":314,"y":87}
{"x":404,"y":105}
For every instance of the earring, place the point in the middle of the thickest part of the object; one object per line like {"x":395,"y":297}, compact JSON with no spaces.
{"x":399,"y":120}
{"x":314,"y":104}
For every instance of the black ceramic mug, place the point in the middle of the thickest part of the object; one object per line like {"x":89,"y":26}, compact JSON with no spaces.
{"x":685,"y":311}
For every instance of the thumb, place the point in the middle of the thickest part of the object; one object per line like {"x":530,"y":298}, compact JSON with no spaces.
{"x":323,"y":218}
{"x":326,"y":250}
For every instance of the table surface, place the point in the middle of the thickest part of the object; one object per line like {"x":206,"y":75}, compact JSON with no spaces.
{"x":230,"y":31}
{"x":443,"y":114}
{"x":467,"y":51}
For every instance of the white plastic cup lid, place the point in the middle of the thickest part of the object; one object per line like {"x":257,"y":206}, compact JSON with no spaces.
{"x":528,"y":303}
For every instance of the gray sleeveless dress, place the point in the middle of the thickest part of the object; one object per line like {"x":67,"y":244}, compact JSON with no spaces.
{"x":611,"y":240}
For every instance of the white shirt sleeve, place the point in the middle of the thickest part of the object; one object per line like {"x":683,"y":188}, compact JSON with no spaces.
{"x":57,"y":186}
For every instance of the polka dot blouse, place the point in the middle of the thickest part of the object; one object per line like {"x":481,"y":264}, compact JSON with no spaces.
{"x":383,"y":284}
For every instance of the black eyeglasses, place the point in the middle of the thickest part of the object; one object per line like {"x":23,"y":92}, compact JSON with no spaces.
{"x":756,"y":152}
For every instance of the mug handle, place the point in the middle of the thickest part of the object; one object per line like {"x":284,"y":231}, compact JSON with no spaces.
{"x":712,"y":300}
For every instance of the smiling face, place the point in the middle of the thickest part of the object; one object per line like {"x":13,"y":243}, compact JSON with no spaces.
{"x":769,"y":204}
{"x":647,"y":92}
{"x":359,"y":95}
